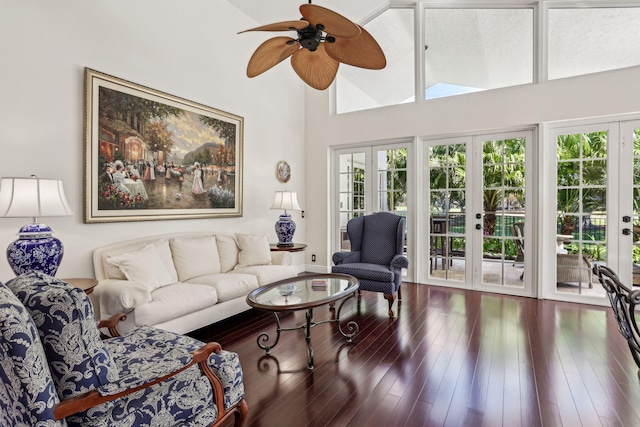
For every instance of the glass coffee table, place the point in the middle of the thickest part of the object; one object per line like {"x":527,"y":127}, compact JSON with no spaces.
{"x":305,"y":293}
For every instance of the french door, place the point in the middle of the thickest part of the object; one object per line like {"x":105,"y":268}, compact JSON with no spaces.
{"x":597,"y":206}
{"x":475,"y":218}
{"x":371,"y":179}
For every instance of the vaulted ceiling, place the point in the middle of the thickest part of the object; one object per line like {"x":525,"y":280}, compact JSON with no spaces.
{"x":485,"y":51}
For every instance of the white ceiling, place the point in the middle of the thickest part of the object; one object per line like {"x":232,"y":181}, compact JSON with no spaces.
{"x":481,"y":50}
{"x":268,"y":11}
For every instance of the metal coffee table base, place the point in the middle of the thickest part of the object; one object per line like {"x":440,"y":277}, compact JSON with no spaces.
{"x":352,"y":329}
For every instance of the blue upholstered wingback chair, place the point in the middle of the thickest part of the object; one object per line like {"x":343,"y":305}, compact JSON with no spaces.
{"x":57,"y":371}
{"x":376,"y":258}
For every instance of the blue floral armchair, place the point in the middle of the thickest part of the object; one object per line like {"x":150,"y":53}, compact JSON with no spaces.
{"x":377,"y":256}
{"x":57,"y":371}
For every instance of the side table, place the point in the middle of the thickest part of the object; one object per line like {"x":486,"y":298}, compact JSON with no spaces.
{"x":297,"y":247}
{"x":86,"y":284}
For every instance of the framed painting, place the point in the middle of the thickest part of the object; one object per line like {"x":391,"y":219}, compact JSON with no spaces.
{"x":153,"y":156}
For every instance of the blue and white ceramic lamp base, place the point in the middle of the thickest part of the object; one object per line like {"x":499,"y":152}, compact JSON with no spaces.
{"x":285,"y":227}
{"x":36,"y":249}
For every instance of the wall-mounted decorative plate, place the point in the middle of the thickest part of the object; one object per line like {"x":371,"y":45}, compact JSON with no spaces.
{"x":283,"y":171}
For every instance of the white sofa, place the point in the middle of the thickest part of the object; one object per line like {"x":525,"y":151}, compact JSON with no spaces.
{"x":184,"y":281}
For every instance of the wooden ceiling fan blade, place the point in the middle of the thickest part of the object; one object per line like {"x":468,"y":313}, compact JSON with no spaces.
{"x":270,"y":53}
{"x":362,"y":51}
{"x":280,"y":26}
{"x":333,"y":22}
{"x":316,"y":68}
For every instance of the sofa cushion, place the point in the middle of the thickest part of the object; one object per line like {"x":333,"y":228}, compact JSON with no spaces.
{"x":254,"y":250}
{"x":268,"y":273}
{"x":228,"y":251}
{"x":173,"y":301}
{"x":64,"y":316}
{"x":228,"y":285}
{"x":194,"y":257}
{"x":145,"y":266}
{"x":162,"y":245}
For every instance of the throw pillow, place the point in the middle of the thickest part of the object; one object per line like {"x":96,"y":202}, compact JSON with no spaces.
{"x":254,"y":250}
{"x":162,"y":246}
{"x":228,"y":250}
{"x":145,"y":266}
{"x":194,"y":257}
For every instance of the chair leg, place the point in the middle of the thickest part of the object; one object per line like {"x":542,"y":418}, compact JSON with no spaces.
{"x":400,"y":292}
{"x":241,"y":414}
{"x":391,"y":298}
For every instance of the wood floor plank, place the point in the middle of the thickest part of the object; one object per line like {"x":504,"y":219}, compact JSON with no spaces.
{"x":451,"y":357}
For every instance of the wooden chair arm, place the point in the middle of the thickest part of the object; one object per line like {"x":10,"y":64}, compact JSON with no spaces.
{"x":93,"y":398}
{"x":111,"y":323}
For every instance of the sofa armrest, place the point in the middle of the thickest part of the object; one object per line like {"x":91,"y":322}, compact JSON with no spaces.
{"x":281,"y":258}
{"x":111,"y":324}
{"x":121,"y":296}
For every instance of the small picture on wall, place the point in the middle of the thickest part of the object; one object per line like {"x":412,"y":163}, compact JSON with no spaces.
{"x":283,"y":171}
{"x":152,"y":156}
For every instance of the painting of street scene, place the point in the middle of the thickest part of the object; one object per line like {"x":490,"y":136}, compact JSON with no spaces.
{"x":156,"y":156}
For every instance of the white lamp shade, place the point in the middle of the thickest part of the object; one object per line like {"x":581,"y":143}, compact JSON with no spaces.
{"x":32,"y":197}
{"x":286,"y":200}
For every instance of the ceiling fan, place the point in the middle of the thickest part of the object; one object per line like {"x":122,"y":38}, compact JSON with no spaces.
{"x":324,"y":40}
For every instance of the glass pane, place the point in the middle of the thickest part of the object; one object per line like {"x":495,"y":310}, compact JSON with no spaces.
{"x":568,"y":147}
{"x":345,"y":202}
{"x":594,"y":172}
{"x":345,"y":182}
{"x":492,"y":272}
{"x":568,"y":200}
{"x":438,"y":178}
{"x":457,"y":177}
{"x":514,"y":200}
{"x":382,"y":180}
{"x":385,"y":201}
{"x":345,"y":163}
{"x":470,"y":50}
{"x":437,"y":156}
{"x":360,"y":89}
{"x":344,"y":218}
{"x":492,"y":175}
{"x":457,"y":201}
{"x":594,"y":144}
{"x":568,"y":174}
{"x":590,"y":40}
{"x":438,"y":202}
{"x":594,"y":200}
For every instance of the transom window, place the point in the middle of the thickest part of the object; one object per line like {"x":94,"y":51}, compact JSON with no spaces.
{"x":459,"y":50}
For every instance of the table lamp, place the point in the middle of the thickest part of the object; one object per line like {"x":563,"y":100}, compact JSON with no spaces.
{"x":36,"y":248}
{"x":285,"y":226}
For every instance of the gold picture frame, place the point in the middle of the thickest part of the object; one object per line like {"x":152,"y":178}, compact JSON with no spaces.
{"x":153,"y":156}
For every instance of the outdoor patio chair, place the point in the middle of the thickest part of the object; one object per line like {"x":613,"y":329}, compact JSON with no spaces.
{"x":517,"y":231}
{"x":571,"y":268}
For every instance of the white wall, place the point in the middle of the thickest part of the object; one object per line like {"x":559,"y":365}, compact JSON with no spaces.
{"x":188,"y":48}
{"x":602,"y":94}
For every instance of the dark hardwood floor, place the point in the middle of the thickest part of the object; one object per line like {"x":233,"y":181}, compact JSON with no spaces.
{"x":451,"y":357}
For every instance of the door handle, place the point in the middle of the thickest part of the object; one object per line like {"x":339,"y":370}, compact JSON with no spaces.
{"x":626,"y":231}
{"x":478,"y":227}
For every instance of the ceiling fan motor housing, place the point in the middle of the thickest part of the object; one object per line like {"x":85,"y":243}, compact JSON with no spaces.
{"x":311,"y":36}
